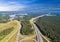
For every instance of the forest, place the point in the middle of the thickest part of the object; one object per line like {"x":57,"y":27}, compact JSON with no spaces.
{"x":4,"y":18}
{"x":26,"y":27}
{"x":50,"y":27}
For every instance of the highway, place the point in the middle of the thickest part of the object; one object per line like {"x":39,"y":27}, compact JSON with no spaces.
{"x":18,"y":32}
{"x":38,"y":33}
{"x":12,"y":34}
{"x":39,"y":39}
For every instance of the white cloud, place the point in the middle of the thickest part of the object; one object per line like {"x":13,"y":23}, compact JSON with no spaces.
{"x":11,"y":6}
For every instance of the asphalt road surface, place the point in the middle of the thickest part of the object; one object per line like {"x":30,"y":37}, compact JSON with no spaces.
{"x":18,"y":33}
{"x":39,"y":39}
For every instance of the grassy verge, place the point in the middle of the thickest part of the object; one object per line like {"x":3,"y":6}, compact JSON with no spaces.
{"x":44,"y":40}
{"x":15,"y":26}
{"x":26,"y":28}
{"x":28,"y":41}
{"x":13,"y":38}
{"x":5,"y":32}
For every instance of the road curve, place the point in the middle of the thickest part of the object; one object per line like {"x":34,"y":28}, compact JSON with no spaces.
{"x":38,"y":33}
{"x":39,"y":39}
{"x":18,"y":32}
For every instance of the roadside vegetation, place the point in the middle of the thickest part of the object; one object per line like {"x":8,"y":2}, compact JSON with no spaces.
{"x":7,"y":29}
{"x":5,"y":32}
{"x":4,"y":18}
{"x":28,"y":41}
{"x":13,"y":38}
{"x":26,"y":28}
{"x":50,"y":26}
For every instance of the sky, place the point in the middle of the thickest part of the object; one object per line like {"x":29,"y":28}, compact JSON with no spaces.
{"x":30,"y":5}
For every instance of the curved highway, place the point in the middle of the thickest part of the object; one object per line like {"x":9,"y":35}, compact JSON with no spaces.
{"x":38,"y":33}
{"x":18,"y":32}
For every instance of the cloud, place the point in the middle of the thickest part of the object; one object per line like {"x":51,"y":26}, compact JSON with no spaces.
{"x":25,"y":5}
{"x":11,"y":6}
{"x":42,"y":8}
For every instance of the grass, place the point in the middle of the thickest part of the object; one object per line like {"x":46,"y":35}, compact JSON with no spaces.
{"x":5,"y":32}
{"x":20,"y":37}
{"x":1,"y":24}
{"x":13,"y":24}
{"x":13,"y":38}
{"x":28,"y":41}
{"x":7,"y":25}
{"x":44,"y":40}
